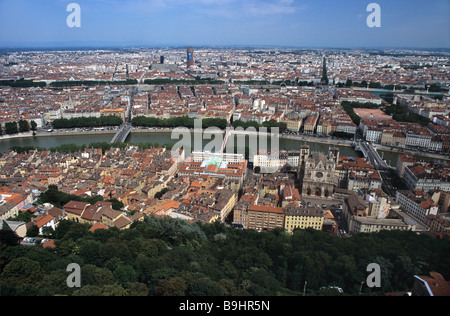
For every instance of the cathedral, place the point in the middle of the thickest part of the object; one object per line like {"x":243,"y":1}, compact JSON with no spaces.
{"x":317,"y":172}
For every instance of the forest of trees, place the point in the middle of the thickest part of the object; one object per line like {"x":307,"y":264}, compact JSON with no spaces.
{"x":76,"y":83}
{"x":172,"y":257}
{"x":174,"y":122}
{"x":22,"y":83}
{"x":80,"y":122}
{"x":401,"y":114}
{"x":21,"y":126}
{"x":269,"y":125}
{"x":196,"y":81}
{"x":349,"y":109}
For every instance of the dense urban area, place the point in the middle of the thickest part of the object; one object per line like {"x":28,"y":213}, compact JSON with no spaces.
{"x":235,"y":221}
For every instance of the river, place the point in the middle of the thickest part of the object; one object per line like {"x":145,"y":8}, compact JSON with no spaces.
{"x":161,"y":138}
{"x":164,"y":138}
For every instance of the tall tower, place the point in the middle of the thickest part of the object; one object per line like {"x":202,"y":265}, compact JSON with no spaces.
{"x":304,"y":154}
{"x":190,"y":57}
{"x":325,"y":80}
{"x":334,"y":155}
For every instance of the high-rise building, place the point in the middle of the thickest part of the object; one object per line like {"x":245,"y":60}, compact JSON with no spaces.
{"x":161,"y":59}
{"x":190,"y":57}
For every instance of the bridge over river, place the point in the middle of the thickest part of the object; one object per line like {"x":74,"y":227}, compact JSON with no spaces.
{"x":122,"y":134}
{"x":371,"y":154}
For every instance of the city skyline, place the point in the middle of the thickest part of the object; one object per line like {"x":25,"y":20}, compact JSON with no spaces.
{"x":284,"y":23}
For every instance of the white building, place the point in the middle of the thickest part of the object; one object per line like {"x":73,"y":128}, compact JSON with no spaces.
{"x":52,"y":115}
{"x":425,"y":178}
{"x":418,"y":140}
{"x":230,"y":158}
{"x":349,"y":128}
{"x":273,"y":162}
{"x":374,"y":135}
{"x":418,"y":206}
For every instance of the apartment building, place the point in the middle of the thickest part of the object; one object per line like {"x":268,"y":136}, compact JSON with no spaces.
{"x":416,"y":203}
{"x":270,"y":162}
{"x":299,"y":216}
{"x":426,"y":178}
{"x":310,"y":123}
{"x":265,"y":217}
{"x":403,"y":162}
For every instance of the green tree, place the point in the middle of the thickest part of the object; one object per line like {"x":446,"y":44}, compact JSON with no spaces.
{"x":205,"y":287}
{"x":56,"y":283}
{"x":137,"y":289}
{"x":8,"y":236}
{"x":23,"y":270}
{"x":95,"y":275}
{"x":89,"y":290}
{"x":125,"y":274}
{"x":33,"y":231}
{"x":116,"y":204}
{"x":24,"y":126}
{"x":387,"y":269}
{"x":114,"y":290}
{"x":175,"y":286}
{"x":160,"y":194}
{"x":11,"y":128}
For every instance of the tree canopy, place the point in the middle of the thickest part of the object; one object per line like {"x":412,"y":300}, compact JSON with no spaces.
{"x":174,"y":122}
{"x":80,"y":122}
{"x":169,"y":257}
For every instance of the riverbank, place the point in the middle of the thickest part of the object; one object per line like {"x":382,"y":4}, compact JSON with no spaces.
{"x":412,"y":152}
{"x":107,"y":135}
{"x":170,"y":130}
{"x":47,"y":134}
{"x":19,"y":135}
{"x":302,"y":138}
{"x":72,"y":133}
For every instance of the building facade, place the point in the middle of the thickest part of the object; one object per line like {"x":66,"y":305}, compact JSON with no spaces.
{"x":297,"y":217}
{"x":190,"y":57}
{"x":417,"y":205}
{"x":263,"y":218}
{"x":319,"y":178}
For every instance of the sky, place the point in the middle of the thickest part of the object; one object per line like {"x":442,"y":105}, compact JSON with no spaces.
{"x":288,"y":23}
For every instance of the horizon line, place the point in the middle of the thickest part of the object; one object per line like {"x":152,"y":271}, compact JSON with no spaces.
{"x":92,"y":46}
